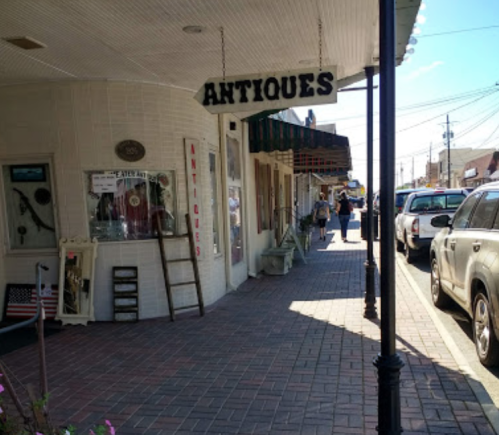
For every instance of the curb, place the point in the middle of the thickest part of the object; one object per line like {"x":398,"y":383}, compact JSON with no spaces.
{"x":471,"y":377}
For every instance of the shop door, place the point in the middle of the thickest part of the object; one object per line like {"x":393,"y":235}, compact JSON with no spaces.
{"x":236,"y":224}
{"x":277,"y":207}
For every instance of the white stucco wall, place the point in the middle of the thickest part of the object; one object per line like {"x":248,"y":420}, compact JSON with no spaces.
{"x":76,"y":125}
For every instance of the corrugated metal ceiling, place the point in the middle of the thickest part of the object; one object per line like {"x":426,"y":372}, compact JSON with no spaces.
{"x":143,"y":40}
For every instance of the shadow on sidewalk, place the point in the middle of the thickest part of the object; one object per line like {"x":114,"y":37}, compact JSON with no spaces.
{"x":282,"y":355}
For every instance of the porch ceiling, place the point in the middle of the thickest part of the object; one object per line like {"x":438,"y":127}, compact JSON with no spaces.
{"x":144,"y":41}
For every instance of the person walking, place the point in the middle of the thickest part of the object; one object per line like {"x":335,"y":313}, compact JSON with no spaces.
{"x":321,"y":213}
{"x":344,"y":209}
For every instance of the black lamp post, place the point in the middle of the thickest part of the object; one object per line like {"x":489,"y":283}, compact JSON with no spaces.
{"x":388,"y":362}
{"x":370,"y":265}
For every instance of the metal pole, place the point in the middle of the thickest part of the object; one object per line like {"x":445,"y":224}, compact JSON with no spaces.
{"x":448,"y":153}
{"x":370,"y":265}
{"x":388,"y":362}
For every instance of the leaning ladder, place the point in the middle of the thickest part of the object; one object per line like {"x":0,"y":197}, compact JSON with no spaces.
{"x":192,"y":258}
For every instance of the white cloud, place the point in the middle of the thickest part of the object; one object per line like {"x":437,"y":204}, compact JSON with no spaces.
{"x":424,"y":69}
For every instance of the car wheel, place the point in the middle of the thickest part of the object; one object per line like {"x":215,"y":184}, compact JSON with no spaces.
{"x":410,"y":254}
{"x":438,"y":296}
{"x":400,"y":246}
{"x":487,"y":346}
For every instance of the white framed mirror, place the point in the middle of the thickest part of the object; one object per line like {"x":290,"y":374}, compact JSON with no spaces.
{"x":76,"y":280}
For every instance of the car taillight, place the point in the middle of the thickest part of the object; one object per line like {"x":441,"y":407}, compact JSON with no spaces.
{"x":400,"y":209}
{"x":415,"y":226}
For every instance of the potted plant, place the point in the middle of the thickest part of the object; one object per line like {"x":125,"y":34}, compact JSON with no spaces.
{"x":305,"y":235}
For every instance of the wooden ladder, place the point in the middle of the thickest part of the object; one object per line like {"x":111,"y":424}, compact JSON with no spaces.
{"x":192,"y":259}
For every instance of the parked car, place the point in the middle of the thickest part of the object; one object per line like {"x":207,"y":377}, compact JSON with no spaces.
{"x":357,"y":201}
{"x":400,"y":198}
{"x":402,"y":195}
{"x":413,"y":229}
{"x":464,"y":259}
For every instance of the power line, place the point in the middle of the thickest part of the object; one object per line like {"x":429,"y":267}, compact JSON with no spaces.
{"x":423,"y":104}
{"x":451,"y":32}
{"x":434,"y":117}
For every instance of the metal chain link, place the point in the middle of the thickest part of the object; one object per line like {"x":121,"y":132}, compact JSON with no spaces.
{"x":320,"y":44}
{"x":223,"y":51}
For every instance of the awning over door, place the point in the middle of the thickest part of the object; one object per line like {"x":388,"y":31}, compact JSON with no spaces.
{"x":312,"y":150}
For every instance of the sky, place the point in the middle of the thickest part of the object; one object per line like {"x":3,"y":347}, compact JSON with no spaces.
{"x":455,"y":74}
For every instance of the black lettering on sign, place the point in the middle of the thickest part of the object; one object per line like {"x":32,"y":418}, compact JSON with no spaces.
{"x":289,"y":93}
{"x":326,"y":87}
{"x":258,"y":90}
{"x":210,"y":95}
{"x":242,"y":86}
{"x":226,"y":91}
{"x":271,"y":89}
{"x":305,"y":89}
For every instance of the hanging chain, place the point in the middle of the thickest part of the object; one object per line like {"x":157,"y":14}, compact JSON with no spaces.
{"x":223,"y":51}
{"x":320,"y":44}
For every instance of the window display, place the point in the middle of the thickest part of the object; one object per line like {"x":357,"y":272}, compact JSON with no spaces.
{"x":30,"y":210}
{"x":236,"y":233}
{"x":123,"y":205}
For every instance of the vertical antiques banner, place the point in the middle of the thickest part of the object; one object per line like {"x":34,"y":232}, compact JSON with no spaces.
{"x":192,"y":162}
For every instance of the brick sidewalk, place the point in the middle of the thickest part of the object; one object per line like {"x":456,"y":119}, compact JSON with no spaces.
{"x":282,"y":355}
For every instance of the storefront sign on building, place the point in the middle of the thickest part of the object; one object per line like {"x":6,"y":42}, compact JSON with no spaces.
{"x":277,"y":90}
{"x":194,"y":191}
{"x":470,"y":173}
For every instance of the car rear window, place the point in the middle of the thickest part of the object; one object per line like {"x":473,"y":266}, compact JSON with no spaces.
{"x":400,"y":199}
{"x":436,"y":203}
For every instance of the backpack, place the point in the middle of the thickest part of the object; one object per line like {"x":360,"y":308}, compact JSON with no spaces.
{"x":322,"y":212}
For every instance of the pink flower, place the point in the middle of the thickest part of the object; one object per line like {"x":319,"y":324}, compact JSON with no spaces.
{"x":91,"y":432}
{"x":38,"y":433}
{"x":1,"y":411}
{"x":2,"y":389}
{"x":111,"y":428}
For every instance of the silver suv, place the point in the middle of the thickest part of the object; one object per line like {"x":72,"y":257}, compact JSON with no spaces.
{"x":464,"y":259}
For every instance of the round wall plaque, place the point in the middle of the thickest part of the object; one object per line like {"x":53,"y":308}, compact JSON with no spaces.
{"x":130,"y":150}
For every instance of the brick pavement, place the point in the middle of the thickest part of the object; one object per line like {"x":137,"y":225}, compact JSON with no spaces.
{"x":282,"y":355}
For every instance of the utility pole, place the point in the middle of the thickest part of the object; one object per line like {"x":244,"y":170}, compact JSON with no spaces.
{"x":413,"y":184}
{"x":429,"y":180}
{"x":447,"y":135}
{"x":401,"y":175}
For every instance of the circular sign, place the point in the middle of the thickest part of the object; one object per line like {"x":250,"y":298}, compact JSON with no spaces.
{"x":130,"y":150}
{"x":134,"y":200}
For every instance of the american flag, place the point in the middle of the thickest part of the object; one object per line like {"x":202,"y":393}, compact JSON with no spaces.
{"x":21,"y":302}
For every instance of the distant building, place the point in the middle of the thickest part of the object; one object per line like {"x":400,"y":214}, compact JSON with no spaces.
{"x":458,"y":159}
{"x":432,"y":174}
{"x":481,"y":170}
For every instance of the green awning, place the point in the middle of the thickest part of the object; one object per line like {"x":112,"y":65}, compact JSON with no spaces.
{"x":314,"y":150}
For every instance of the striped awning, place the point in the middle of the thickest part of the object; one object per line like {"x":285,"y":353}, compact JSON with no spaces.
{"x":314,"y":150}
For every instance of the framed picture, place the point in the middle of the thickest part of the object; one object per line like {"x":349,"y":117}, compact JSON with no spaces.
{"x":27,"y":173}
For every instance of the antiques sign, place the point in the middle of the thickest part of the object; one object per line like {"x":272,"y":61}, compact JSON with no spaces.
{"x":278,"y":90}
{"x":130,"y":150}
{"x":193,"y":193}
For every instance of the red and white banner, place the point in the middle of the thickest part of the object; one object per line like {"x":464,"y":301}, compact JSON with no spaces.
{"x":192,"y":170}
{"x":21,"y":301}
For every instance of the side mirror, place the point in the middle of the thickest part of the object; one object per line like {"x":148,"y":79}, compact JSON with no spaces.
{"x":442,"y":221}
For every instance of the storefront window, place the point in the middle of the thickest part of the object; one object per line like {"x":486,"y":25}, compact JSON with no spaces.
{"x":236,"y":231}
{"x":30,"y":207}
{"x":214,"y":203}
{"x":126,"y":205}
